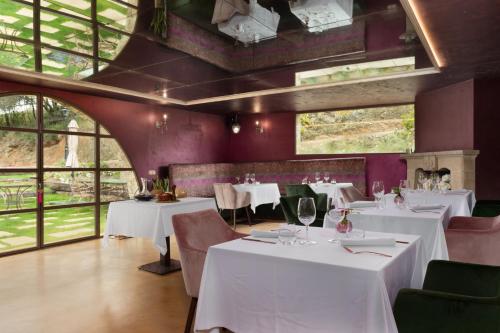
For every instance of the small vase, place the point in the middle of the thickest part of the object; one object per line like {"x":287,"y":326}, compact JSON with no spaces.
{"x":399,"y":200}
{"x":344,"y":226}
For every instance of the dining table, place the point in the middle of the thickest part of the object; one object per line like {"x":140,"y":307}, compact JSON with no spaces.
{"x":253,"y":286}
{"x":332,"y":190}
{"x":429,"y":224}
{"x":152,"y":220}
{"x":260,"y":193}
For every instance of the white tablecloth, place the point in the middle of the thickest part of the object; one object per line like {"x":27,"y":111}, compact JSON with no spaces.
{"x":460,"y":204}
{"x":332,"y":190}
{"x":150,"y":219}
{"x":261,"y":194}
{"x":259,"y":287}
{"x":430,"y":226}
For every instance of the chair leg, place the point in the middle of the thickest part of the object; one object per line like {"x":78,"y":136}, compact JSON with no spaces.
{"x":248,"y":216}
{"x":192,"y":310}
{"x":234,"y":219}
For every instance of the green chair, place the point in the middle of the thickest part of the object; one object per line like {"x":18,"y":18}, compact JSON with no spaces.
{"x":304,"y":190}
{"x":456,"y":297}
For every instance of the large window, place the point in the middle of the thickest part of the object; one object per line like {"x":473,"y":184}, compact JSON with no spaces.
{"x":69,"y":38}
{"x":49,"y":147}
{"x":370,"y":130}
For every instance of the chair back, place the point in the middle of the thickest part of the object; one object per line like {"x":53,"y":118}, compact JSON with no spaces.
{"x":195,"y":233}
{"x":225,"y":195}
{"x":351,"y":194}
{"x":302,"y":190}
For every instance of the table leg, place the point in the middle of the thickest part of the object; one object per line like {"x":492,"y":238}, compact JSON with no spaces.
{"x":165,"y":265}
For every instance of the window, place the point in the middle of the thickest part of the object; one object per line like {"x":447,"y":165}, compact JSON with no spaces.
{"x":66,"y":35}
{"x":74,"y":159}
{"x":371,"y":130}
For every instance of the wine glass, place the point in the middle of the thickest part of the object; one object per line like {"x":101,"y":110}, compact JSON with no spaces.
{"x":247,"y":177}
{"x":327,"y":177}
{"x":237,"y":179}
{"x":306,"y":212}
{"x":378,"y":192}
{"x":403,"y":188}
{"x":252,"y":178}
{"x":317,"y":176}
{"x":421,"y":180}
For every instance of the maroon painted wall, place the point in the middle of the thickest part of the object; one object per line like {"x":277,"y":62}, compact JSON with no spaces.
{"x":487,"y":138}
{"x":278,"y":143}
{"x":444,"y":118}
{"x":191,"y":137}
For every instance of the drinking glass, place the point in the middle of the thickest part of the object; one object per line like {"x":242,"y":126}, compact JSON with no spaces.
{"x":288,"y":235}
{"x":237,"y":179}
{"x":327,"y":177}
{"x":378,"y":192}
{"x":421,"y":180}
{"x":305,"y":180}
{"x":247,"y":177}
{"x":306,"y":212}
{"x":403,"y":188}
{"x":252,"y":178}
{"x":317,"y":176}
{"x":334,"y":217}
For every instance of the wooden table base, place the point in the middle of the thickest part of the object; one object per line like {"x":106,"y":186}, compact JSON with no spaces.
{"x":165,"y":265}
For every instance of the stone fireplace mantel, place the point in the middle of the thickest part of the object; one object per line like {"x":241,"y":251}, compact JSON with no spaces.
{"x":461,"y":163}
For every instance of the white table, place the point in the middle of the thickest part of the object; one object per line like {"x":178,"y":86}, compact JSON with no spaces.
{"x":332,"y":190}
{"x":261,"y":194}
{"x":259,"y":287}
{"x":461,"y":204}
{"x":430,"y":226}
{"x":151,"y":220}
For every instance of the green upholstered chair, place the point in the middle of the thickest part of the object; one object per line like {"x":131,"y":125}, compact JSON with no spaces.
{"x":456,"y":297}
{"x":290,"y":202}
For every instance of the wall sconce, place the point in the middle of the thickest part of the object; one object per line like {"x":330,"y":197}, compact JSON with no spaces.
{"x":162,"y":124}
{"x":235,"y":125}
{"x":258,"y":127}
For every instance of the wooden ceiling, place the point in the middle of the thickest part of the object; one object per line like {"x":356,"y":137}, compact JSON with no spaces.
{"x":462,"y":32}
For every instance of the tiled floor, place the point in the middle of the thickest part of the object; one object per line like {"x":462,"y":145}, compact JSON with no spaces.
{"x":85,"y":288}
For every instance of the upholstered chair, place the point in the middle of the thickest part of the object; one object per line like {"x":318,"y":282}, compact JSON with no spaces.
{"x":456,"y":297}
{"x":195,"y":233}
{"x":351,"y":194}
{"x":304,"y":190}
{"x":228,"y":198}
{"x":474,"y":239}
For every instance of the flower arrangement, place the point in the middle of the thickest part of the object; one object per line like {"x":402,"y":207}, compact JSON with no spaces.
{"x":161,"y":185}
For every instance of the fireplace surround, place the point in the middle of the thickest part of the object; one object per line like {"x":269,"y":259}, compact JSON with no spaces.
{"x":460,"y":163}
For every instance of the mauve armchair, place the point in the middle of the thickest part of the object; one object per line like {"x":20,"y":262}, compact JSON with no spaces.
{"x":228,"y":198}
{"x":474,"y":239}
{"x":456,"y":298}
{"x":351,"y":194}
{"x":195,"y":233}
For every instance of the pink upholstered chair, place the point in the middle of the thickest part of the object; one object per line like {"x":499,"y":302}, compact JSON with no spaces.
{"x":195,"y":233}
{"x":351,"y":194}
{"x":474,"y":240}
{"x":228,"y":198}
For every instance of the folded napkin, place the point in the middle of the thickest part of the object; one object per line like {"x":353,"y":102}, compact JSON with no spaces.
{"x":263,"y":234}
{"x":362,"y":204}
{"x":368,"y":242}
{"x":457,"y":192}
{"x":426,"y":207}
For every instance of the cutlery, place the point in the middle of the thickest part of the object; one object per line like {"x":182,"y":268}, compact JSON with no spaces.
{"x":402,"y":242}
{"x":369,"y":252}
{"x":258,"y":240}
{"x":425,"y":211}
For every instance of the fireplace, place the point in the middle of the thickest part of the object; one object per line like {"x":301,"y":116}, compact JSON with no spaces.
{"x":461,"y":164}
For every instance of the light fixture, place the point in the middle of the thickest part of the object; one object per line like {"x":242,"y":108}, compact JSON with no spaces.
{"x":258,"y":127}
{"x":162,"y":124}
{"x":235,"y":125}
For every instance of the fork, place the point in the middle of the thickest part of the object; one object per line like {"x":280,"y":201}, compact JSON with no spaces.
{"x":370,"y":252}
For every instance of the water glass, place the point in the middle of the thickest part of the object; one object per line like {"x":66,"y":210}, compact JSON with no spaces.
{"x":287,"y":236}
{"x":252,"y":178}
{"x":378,"y":192}
{"x":317,"y":176}
{"x":327,"y":177}
{"x":306,"y":212}
{"x":247,"y":178}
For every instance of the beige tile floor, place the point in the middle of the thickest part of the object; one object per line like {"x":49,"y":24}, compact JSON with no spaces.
{"x":85,"y":288}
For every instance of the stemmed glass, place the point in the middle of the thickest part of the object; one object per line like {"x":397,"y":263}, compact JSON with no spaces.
{"x":306,"y":212}
{"x":403,"y":188}
{"x":252,"y":178}
{"x":237,"y":179}
{"x":378,"y":192}
{"x":317,"y":176}
{"x":421,"y":180}
{"x":247,"y":177}
{"x":327,"y":177}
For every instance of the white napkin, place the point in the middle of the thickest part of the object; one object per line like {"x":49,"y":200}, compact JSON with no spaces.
{"x":457,"y":192}
{"x":426,"y":207}
{"x":362,"y":204}
{"x":263,"y":234}
{"x":368,"y":242}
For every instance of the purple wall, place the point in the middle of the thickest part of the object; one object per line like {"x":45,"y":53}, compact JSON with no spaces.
{"x":444,"y":118}
{"x":487,"y":138}
{"x":191,"y":137}
{"x":278,"y":143}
